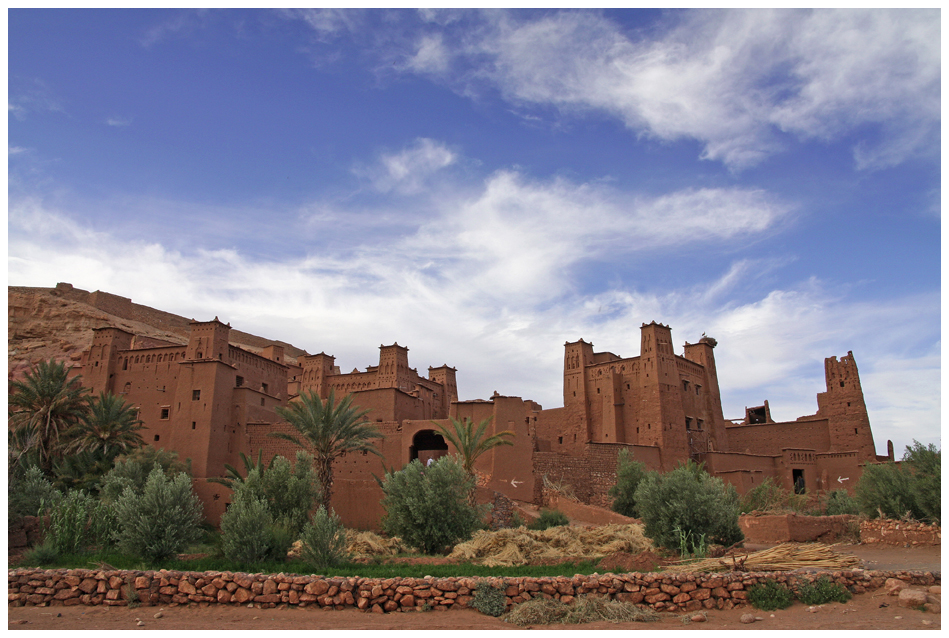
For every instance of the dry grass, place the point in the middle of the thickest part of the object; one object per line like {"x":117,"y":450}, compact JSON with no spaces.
{"x":544,"y":611}
{"x":512,"y":547}
{"x":362,"y":545}
{"x":785,"y":557}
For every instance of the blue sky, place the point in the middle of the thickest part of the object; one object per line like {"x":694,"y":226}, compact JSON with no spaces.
{"x":484,"y":186}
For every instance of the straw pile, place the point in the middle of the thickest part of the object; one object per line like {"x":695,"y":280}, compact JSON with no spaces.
{"x":785,"y":557}
{"x":511,"y":547}
{"x":363,"y":545}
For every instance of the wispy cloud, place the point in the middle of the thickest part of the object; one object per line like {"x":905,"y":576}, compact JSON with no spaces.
{"x":410,"y":169}
{"x":119,"y":121}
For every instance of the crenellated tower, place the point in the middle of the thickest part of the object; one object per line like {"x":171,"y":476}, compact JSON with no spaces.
{"x":844,"y":407}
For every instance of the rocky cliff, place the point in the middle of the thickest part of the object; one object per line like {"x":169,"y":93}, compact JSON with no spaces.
{"x":56,"y":323}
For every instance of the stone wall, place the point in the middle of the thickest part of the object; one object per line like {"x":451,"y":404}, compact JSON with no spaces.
{"x":891,"y":532}
{"x":663,"y":592}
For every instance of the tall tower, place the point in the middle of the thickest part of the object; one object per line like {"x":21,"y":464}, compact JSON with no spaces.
{"x":661,"y":409}
{"x":209,"y":341}
{"x":702,"y":354}
{"x":444,"y":375}
{"x":317,"y":369}
{"x":576,"y":357}
{"x":102,"y":360}
{"x":844,"y":408}
{"x":394,"y":367}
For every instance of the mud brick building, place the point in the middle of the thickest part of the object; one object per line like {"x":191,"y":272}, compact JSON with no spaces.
{"x":210,"y":400}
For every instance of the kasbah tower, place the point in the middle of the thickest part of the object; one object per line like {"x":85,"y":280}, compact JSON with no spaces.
{"x":210,"y":400}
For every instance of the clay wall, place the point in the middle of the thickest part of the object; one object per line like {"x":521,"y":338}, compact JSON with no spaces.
{"x":839,"y":470}
{"x":783,"y":528}
{"x":257,"y":372}
{"x":771,"y":438}
{"x":660,"y":591}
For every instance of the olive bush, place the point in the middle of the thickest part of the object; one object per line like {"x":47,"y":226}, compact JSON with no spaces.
{"x":688,"y":503}
{"x":629,"y":474}
{"x":909,"y":488}
{"x":428,"y":506}
{"x":323,"y":540}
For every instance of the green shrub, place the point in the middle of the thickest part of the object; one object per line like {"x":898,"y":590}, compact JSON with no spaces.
{"x":102,"y":525}
{"x":162,"y":520}
{"x":133,"y":471}
{"x":427,"y":507}
{"x":822,"y":591}
{"x":247,"y":529}
{"x":909,"y":488}
{"x":770,"y":595}
{"x":324,"y":540}
{"x":688,"y":501}
{"x":290,"y":491}
{"x":69,"y":522}
{"x":489,"y":600}
{"x":548,"y":519}
{"x":768,"y":496}
{"x":629,"y":474}
{"x":839,"y":502}
{"x":26,"y":493}
{"x":43,"y":554}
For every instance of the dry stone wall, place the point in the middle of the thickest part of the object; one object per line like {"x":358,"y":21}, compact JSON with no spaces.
{"x":663,"y":592}
{"x":890,"y":532}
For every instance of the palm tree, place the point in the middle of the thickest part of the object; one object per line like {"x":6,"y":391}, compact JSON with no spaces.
{"x":328,"y":430}
{"x":232,"y":475}
{"x":44,"y":406}
{"x":111,"y":427}
{"x":470,"y":441}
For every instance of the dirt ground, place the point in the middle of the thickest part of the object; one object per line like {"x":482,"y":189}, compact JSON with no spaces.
{"x":874,"y":610}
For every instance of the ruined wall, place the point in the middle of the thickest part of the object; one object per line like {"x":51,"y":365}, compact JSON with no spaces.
{"x":900,"y":533}
{"x":592,"y":474}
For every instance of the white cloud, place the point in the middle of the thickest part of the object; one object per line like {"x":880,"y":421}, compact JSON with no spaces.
{"x":408,"y":171}
{"x":728,"y":79}
{"x":119,"y":121}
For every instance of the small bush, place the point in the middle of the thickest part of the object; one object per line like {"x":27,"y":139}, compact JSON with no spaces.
{"x":102,"y":525}
{"x":162,"y":520}
{"x":548,"y":519}
{"x":770,"y":595}
{"x":839,"y":502}
{"x":629,"y":474}
{"x":247,"y":529}
{"x":489,"y":600}
{"x":290,"y":490}
{"x":27,"y":492}
{"x":822,"y":591}
{"x":543,"y":611}
{"x":133,"y":471}
{"x":43,"y":554}
{"x":427,"y":507}
{"x":688,"y":501}
{"x":324,"y":540}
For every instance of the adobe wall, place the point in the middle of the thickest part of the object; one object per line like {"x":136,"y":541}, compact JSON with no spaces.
{"x":662,"y":592}
{"x":783,"y":528}
{"x":590,"y":475}
{"x":771,"y":438}
{"x":902,"y":533}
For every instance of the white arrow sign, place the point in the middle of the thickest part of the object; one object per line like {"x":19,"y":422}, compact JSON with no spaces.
{"x":515,"y":483}
{"x":841,"y":480}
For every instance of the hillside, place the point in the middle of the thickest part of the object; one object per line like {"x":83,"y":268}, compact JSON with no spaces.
{"x":56,"y":323}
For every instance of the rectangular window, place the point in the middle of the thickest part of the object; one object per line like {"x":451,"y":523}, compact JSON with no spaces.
{"x":263,"y":387}
{"x":262,"y":403}
{"x":685,"y":385}
{"x":164,"y":413}
{"x":196,"y":395}
{"x":240,"y":381}
{"x":156,"y":437}
{"x":697,"y":388}
{"x":194,"y":425}
{"x":688,"y":423}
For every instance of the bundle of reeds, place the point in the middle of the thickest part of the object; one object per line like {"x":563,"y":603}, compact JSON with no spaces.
{"x":522,"y":546}
{"x":784,"y":557}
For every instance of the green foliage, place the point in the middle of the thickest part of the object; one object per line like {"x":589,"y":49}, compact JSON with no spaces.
{"x":328,"y":429}
{"x":42,"y":408}
{"x":768,"y":496}
{"x":428,"y":506}
{"x":81,"y":471}
{"x":44,"y":554}
{"x":160,"y":521}
{"x":629,"y":474}
{"x":26,"y":493}
{"x":102,"y":525}
{"x":770,"y":595}
{"x":247,"y":530}
{"x":821,"y":591}
{"x":110,"y":427}
{"x":68,"y":522}
{"x":289,"y":491}
{"x":132,"y":471}
{"x":324,"y":540}
{"x":909,"y":488}
{"x":839,"y":502}
{"x":688,"y":501}
{"x":548,"y":519}
{"x":690,"y":545}
{"x":489,"y":600}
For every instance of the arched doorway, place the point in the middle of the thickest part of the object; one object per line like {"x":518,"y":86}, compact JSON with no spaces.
{"x":427,"y":445}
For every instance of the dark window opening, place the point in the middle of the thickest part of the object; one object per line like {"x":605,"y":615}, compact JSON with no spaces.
{"x":597,"y":390}
{"x":841,"y":384}
{"x":685,"y":385}
{"x":855,"y":431}
{"x":125,"y":364}
{"x":560,"y":440}
{"x":427,"y":445}
{"x":164,"y":413}
{"x":757,"y":415}
{"x":848,"y":404}
{"x":194,"y":425}
{"x":688,"y":423}
{"x":700,"y":423}
{"x":156,"y":437}
{"x":697,"y":388}
{"x":263,"y":387}
{"x":798,"y":476}
{"x":240,"y":381}
{"x":261,"y":402}
{"x":196,"y":395}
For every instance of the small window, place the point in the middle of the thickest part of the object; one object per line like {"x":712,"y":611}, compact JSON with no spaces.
{"x":194,"y":425}
{"x":841,"y":384}
{"x":560,"y":440}
{"x":164,"y":413}
{"x":685,"y":385}
{"x":688,"y":423}
{"x":240,"y":381}
{"x":263,"y":387}
{"x":261,"y":402}
{"x":156,"y":437}
{"x":697,"y":388}
{"x":196,"y":395}
{"x":597,"y":390}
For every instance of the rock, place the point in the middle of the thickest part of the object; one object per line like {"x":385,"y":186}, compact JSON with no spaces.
{"x":812,"y":609}
{"x":927,"y":622}
{"x":935,"y":590}
{"x":159,"y":615}
{"x":912,"y":598}
{"x":747,"y":619}
{"x":894,"y":586}
{"x":698,"y":618}
{"x":933,"y":608}
{"x":140,"y":623}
